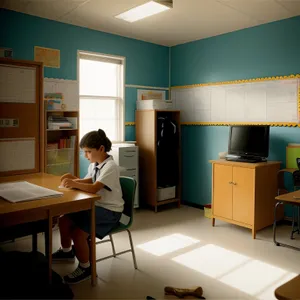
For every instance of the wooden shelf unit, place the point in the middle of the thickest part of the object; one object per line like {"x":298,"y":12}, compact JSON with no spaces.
{"x":61,"y":160}
{"x":244,"y":193}
{"x":28,"y":115}
{"x":146,"y":139}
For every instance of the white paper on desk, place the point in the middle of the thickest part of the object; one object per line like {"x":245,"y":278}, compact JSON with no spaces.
{"x":23,"y":191}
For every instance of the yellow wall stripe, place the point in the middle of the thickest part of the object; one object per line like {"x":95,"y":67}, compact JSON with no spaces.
{"x":237,"y":81}
{"x":277,"y":124}
{"x":274,"y":124}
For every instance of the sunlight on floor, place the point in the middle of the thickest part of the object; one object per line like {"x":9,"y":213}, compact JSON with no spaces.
{"x":254,"y":277}
{"x":211,"y":260}
{"x":168,"y":244}
{"x":250,"y":276}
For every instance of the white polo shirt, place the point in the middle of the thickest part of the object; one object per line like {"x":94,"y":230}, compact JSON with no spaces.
{"x":109,"y":176}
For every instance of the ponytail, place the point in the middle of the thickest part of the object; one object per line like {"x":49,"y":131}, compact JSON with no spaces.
{"x":96,"y":139}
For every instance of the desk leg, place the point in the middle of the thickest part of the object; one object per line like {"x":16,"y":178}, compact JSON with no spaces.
{"x":275,"y":223}
{"x":274,"y":230}
{"x":93,"y":243}
{"x":49,"y":250}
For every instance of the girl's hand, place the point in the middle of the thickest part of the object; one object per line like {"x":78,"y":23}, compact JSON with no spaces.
{"x":68,"y":183}
{"x":68,"y":175}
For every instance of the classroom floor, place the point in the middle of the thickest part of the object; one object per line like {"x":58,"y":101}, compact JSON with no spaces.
{"x":180,"y":248}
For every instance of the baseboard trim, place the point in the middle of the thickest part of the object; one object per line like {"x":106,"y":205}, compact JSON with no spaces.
{"x":195,"y":205}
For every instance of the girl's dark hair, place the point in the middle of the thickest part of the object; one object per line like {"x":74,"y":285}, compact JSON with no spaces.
{"x":96,"y":139}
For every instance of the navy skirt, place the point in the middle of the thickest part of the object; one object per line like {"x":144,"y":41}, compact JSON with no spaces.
{"x":106,"y":220}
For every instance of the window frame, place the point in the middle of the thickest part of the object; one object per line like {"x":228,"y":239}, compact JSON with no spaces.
{"x":122,"y":100}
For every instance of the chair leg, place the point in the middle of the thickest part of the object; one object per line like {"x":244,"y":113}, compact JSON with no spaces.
{"x":132,"y":249}
{"x":46,"y":237}
{"x":298,"y":219}
{"x":112,"y":245}
{"x":293,"y":223}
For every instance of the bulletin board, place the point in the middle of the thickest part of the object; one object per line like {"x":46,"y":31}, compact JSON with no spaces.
{"x":274,"y":101}
{"x":49,"y":57}
{"x":21,"y":141}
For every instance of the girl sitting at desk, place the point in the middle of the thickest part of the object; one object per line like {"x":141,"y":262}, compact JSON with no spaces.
{"x":102,"y":178}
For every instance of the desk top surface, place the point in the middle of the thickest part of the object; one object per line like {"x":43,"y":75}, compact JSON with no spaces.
{"x":290,"y":290}
{"x":293,"y":197}
{"x":48,"y":181}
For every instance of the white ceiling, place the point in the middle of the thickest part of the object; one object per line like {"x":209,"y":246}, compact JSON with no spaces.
{"x":189,"y":20}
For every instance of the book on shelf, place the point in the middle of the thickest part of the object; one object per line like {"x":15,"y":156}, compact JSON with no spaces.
{"x":73,"y":141}
{"x":23,"y":191}
{"x":63,"y":143}
{"x":59,"y":122}
{"x":54,"y":126}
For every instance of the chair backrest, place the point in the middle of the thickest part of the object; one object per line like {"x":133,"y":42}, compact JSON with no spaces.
{"x":128,"y":185}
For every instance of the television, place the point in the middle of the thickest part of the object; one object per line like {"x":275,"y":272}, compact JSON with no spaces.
{"x":249,"y":143}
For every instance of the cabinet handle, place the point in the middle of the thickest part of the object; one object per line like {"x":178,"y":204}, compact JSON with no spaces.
{"x":230,"y":182}
{"x":234,"y":183}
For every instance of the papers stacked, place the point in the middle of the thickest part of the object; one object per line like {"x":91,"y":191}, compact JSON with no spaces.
{"x":23,"y":191}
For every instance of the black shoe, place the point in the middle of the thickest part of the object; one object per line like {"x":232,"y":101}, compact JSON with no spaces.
{"x":60,"y":255}
{"x":80,"y":274}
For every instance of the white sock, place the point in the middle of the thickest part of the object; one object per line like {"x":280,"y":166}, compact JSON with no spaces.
{"x":85,"y":265}
{"x":67,"y":249}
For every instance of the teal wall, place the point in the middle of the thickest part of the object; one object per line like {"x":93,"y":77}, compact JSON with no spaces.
{"x":266,"y":50}
{"x":146,"y":64}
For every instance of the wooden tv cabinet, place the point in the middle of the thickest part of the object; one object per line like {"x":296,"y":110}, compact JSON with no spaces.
{"x":244,"y":193}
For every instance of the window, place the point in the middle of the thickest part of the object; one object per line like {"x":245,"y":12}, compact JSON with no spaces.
{"x":101,"y":90}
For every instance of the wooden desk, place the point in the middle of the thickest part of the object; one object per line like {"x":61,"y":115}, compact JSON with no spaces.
{"x":45,"y":209}
{"x":292,"y":198}
{"x":290,"y":290}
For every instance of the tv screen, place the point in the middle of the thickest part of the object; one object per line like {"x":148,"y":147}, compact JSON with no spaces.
{"x":249,"y":140}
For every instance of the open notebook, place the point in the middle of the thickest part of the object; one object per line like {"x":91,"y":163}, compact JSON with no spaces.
{"x":23,"y":191}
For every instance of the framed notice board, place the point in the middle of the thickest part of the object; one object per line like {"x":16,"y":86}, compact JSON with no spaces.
{"x":21,"y":124}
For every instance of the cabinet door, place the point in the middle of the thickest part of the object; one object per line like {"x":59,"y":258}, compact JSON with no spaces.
{"x":222,"y":191}
{"x":243,"y":195}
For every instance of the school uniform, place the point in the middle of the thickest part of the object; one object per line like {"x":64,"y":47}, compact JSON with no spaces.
{"x":110,"y":207}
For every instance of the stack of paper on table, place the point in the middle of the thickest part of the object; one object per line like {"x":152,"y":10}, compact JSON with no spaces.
{"x":22,"y":191}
